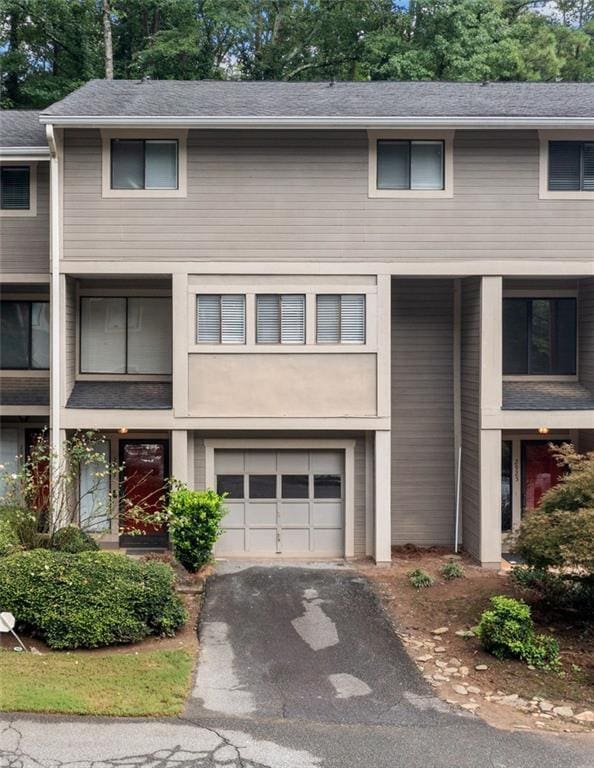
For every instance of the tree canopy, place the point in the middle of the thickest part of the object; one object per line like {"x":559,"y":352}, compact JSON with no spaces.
{"x":50,"y":47}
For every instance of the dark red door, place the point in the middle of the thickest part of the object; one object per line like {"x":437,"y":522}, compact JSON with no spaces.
{"x":144,"y":473}
{"x":540,"y":472}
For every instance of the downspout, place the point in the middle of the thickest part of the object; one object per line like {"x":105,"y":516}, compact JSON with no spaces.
{"x":55,"y":301}
{"x":457,"y":364}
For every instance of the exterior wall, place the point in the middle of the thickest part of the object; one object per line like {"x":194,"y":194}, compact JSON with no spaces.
{"x":423,"y":487}
{"x":69,"y":342}
{"x":24,"y":244}
{"x":586,"y":333}
{"x":470,"y":370}
{"x":302,"y":196}
{"x":360,"y":475}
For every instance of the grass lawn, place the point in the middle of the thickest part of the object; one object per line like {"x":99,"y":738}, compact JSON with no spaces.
{"x":126,"y":684}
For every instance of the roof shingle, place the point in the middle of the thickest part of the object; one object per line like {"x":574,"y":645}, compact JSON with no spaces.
{"x":121,"y":395}
{"x":546,"y":396}
{"x":21,"y":128}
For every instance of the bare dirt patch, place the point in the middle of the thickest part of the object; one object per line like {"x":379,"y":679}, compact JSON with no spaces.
{"x":457,"y":605}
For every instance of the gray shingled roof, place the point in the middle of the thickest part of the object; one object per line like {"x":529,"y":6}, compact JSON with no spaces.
{"x":546,"y":396}
{"x":202,"y":98}
{"x":24,"y":391}
{"x":133,"y":395}
{"x":21,"y":128}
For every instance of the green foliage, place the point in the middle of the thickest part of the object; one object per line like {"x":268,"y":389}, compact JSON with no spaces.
{"x":419,"y":579}
{"x":452,"y":570}
{"x":90,"y":599}
{"x":194,"y":521}
{"x":557,"y":591}
{"x":9,"y":541}
{"x":506,"y":630}
{"x":24,"y":526}
{"x":72,"y":539}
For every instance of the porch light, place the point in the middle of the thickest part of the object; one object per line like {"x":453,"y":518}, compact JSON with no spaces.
{"x":124,"y":430}
{"x":543,"y":430}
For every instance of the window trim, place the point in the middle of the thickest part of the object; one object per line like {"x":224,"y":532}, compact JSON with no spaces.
{"x":279,"y":298}
{"x":340,"y":341}
{"x":32,"y":209}
{"x":545,"y":137}
{"x":447,"y":137}
{"x":175,"y":134}
{"x":114,"y":375}
{"x":30,"y":302}
{"x":550,"y":295}
{"x":220,"y":342}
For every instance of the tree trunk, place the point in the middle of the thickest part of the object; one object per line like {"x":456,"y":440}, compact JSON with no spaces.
{"x":107,"y":40}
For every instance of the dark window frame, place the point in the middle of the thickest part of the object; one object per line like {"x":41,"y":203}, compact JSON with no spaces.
{"x":30,"y":302}
{"x":144,"y":188}
{"x":112,"y":373}
{"x":27,"y":169}
{"x":529,"y":314}
{"x":410,"y":143}
{"x":581,"y":143}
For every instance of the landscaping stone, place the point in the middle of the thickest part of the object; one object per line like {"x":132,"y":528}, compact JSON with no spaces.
{"x":450,"y":671}
{"x":546,"y":706}
{"x":481,"y":667}
{"x":585,"y":717}
{"x":440,"y":649}
{"x":440,"y":630}
{"x":426,"y":657}
{"x":454,"y":662}
{"x":464,"y":633}
{"x":440,"y":664}
{"x":460,"y":689}
{"x":563,"y":711}
{"x":463,"y":671}
{"x":441,"y":678}
{"x":473,"y":689}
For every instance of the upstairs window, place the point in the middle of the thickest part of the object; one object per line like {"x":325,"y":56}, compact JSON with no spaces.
{"x":120,"y":335}
{"x":15,"y":194}
{"x":410,"y":164}
{"x":539,"y":336}
{"x":571,"y":166}
{"x":280,"y":319}
{"x":220,"y":319}
{"x":340,"y":319}
{"x":24,"y":335}
{"x":144,"y":164}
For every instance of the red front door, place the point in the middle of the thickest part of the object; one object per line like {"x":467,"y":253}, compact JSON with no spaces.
{"x":144,"y":474}
{"x":540,"y":472}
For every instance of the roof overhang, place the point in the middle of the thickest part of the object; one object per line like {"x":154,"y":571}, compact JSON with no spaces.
{"x":24,"y":153}
{"x":334,"y":123}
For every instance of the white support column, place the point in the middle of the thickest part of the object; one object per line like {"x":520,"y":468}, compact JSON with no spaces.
{"x":383,"y":497}
{"x":491,"y":402}
{"x":179,"y":455}
{"x":180,"y":329}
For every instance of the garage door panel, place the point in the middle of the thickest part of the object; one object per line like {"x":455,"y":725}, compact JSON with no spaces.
{"x":329,"y":541}
{"x":261,"y":540}
{"x":235,"y":514}
{"x":326,"y":462}
{"x":260,"y":514}
{"x":230,"y":462}
{"x":292,"y":462}
{"x":231,"y":542}
{"x":293,"y":514}
{"x":328,"y":514}
{"x":295,"y":540}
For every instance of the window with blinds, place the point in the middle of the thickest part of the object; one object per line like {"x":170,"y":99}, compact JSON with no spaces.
{"x":220,"y":319}
{"x":14,"y":188}
{"x":24,"y":335}
{"x":280,"y":319}
{"x":340,"y":319}
{"x":144,"y":163}
{"x":571,"y":166}
{"x":410,"y":164}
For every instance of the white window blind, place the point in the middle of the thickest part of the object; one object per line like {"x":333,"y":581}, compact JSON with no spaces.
{"x":280,"y":318}
{"x":161,"y":164}
{"x":340,"y":319}
{"x":220,"y":319}
{"x":103,"y":335}
{"x":149,"y":335}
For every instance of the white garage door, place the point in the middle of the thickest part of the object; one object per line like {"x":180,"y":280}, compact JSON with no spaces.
{"x":282,"y":502}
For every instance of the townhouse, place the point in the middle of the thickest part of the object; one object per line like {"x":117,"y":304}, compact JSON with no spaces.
{"x":362,"y":310}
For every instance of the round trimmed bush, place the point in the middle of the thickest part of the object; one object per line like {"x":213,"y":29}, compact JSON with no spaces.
{"x":72,"y":539}
{"x":89,"y":600}
{"x":194,"y":522}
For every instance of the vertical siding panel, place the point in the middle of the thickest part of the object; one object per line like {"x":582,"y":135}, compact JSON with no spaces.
{"x":360,"y":496}
{"x":24,"y":243}
{"x":199,"y":463}
{"x":70,"y":323}
{"x":423,"y":488}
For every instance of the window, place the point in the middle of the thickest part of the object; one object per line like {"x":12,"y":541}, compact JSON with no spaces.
{"x":262,"y":486}
{"x":295,"y":486}
{"x":24,"y":335}
{"x":94,"y":491}
{"x":232,"y":485}
{"x":280,"y":319}
{"x":571,"y":166}
{"x":539,"y":336}
{"x":144,"y":164}
{"x":327,"y":487}
{"x":340,"y":319}
{"x":125,"y":335}
{"x":15,"y":194}
{"x":220,"y":319}
{"x":410,"y":164}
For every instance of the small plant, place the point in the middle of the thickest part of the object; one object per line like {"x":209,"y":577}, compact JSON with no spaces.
{"x":72,"y":539}
{"x":419,"y":579}
{"x":194,"y":521}
{"x":506,"y":630}
{"x":452,"y":570}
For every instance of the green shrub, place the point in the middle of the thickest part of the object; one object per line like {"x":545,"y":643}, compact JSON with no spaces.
{"x":558,"y":539}
{"x":194,"y":519}
{"x":90,"y":599}
{"x":506,"y":630}
{"x":25,"y":525}
{"x":452,"y":570}
{"x":565,"y":591}
{"x":72,"y":539}
{"x":419,"y":579}
{"x":9,"y":541}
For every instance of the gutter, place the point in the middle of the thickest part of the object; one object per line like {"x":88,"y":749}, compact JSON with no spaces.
{"x":327,"y":123}
{"x":25,"y":153}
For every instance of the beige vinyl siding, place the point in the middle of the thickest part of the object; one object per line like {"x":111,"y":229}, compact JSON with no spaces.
{"x":423,"y":492}
{"x":70,"y":323}
{"x":200,"y":472}
{"x":470,"y":370}
{"x":288,"y":195}
{"x":586,"y":333}
{"x":24,"y":242}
